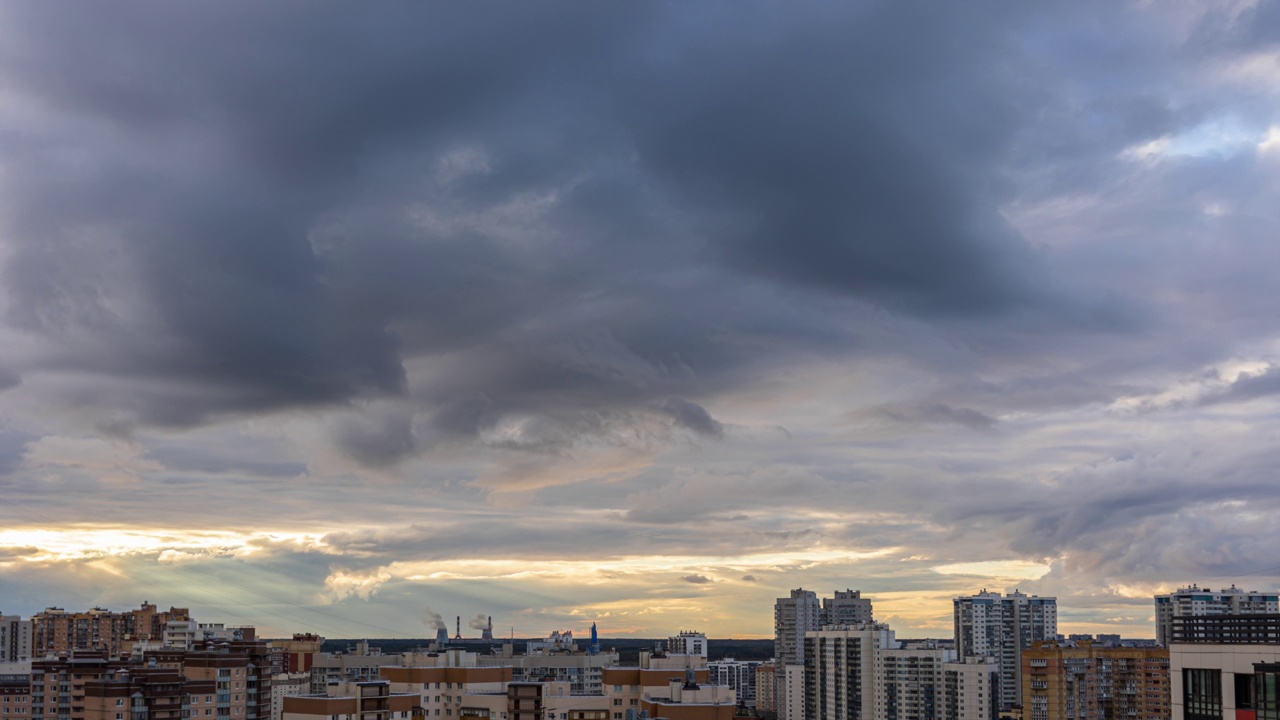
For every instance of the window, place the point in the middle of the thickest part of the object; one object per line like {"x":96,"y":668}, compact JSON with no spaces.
{"x":1266,"y":691}
{"x":617,"y":701}
{"x":617,"y":688}
{"x":119,"y":702}
{"x":1202,"y":694}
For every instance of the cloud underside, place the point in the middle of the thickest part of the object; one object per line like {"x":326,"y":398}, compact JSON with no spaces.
{"x":854,"y":292}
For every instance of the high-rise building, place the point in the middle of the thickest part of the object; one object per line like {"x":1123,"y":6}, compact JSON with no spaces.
{"x":991,"y":625}
{"x":766,"y":688}
{"x":793,"y":617}
{"x":15,"y":638}
{"x":1194,"y":600}
{"x":840,"y":671}
{"x":848,"y":607}
{"x":1085,"y":681}
{"x":910,"y":684}
{"x":972,"y":689}
{"x":737,"y":674}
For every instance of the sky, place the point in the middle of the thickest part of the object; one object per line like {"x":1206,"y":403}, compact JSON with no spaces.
{"x":346,"y":318}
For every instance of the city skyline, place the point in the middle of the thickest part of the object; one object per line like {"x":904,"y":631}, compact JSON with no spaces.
{"x":637,"y":313}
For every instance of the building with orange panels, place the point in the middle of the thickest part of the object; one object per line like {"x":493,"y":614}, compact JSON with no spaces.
{"x":57,"y":631}
{"x":1087,"y":681}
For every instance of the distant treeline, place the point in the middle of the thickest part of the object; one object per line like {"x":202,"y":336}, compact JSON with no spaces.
{"x":628,"y":648}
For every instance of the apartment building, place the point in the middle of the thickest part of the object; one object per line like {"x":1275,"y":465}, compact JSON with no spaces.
{"x":363,"y":663}
{"x":972,"y":689}
{"x":688,"y":643}
{"x":285,"y":685}
{"x":582,"y":670}
{"x":1194,"y":600}
{"x":840,"y":671}
{"x":451,"y":684}
{"x":766,"y":688}
{"x":364,"y":700}
{"x":1083,"y":680}
{"x":991,"y":625}
{"x":57,"y":631}
{"x":16,"y":639}
{"x":15,"y":692}
{"x":909,"y":683}
{"x":737,"y":674}
{"x":846,"y":607}
{"x":1225,"y":667}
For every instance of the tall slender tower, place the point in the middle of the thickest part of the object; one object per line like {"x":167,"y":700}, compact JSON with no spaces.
{"x":792,"y":617}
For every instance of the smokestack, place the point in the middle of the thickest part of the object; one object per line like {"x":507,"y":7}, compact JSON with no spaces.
{"x":488,"y":630}
{"x":459,"y":637}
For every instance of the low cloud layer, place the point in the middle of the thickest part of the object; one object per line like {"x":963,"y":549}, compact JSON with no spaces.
{"x":674,"y":307}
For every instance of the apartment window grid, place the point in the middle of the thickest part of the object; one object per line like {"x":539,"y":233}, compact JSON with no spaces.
{"x":1266,"y":695}
{"x":1202,"y":694}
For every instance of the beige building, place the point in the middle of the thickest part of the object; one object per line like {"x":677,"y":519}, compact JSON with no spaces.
{"x":972,"y":689}
{"x":368,"y":700}
{"x":766,"y":688}
{"x":286,"y":685}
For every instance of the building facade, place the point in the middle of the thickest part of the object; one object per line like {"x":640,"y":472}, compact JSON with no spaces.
{"x":737,"y":674}
{"x":1088,"y":681}
{"x":1225,"y":667}
{"x":840,"y":671}
{"x":1195,"y":600}
{"x":16,"y":639}
{"x":991,"y":625}
{"x":846,"y":607}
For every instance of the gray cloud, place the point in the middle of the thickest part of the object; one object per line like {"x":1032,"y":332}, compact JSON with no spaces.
{"x":696,"y":579}
{"x":431,"y":283}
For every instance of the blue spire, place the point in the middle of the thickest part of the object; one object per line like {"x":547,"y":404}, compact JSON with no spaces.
{"x":594,"y":648}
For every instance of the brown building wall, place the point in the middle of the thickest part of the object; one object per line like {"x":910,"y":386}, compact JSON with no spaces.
{"x":1088,"y":682}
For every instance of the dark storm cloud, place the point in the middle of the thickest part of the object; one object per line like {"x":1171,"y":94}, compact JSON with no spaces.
{"x":578,"y":215}
{"x":692,"y":416}
{"x":1247,"y":387}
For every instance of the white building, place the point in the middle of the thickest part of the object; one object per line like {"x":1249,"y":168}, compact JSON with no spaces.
{"x":972,"y":689}
{"x":847,"y":607}
{"x":991,"y":625}
{"x":688,"y":643}
{"x":286,"y":685}
{"x":15,"y":639}
{"x":793,"y":617}
{"x":840,"y":671}
{"x":737,"y":674}
{"x":910,"y":683}
{"x":790,"y":692}
{"x":1194,"y":600}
